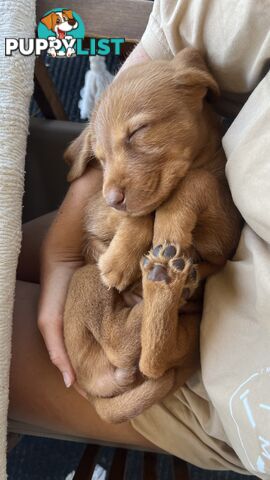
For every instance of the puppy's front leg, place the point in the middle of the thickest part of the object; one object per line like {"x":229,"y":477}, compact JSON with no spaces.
{"x":176,"y":219}
{"x":120,"y":264}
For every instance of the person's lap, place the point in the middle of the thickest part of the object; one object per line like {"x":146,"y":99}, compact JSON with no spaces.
{"x":38,"y":395}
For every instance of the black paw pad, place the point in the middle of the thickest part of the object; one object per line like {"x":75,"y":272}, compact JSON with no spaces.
{"x":193,"y":275}
{"x":186,"y":293}
{"x":156,"y":250}
{"x":145,"y":261}
{"x":158,"y":274}
{"x":169,"y":251}
{"x":179,"y":264}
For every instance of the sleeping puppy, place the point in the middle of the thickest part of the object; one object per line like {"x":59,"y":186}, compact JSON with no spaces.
{"x":164,"y":219}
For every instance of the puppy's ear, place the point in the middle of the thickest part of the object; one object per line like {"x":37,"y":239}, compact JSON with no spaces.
{"x":191,"y":71}
{"x":79,"y":154}
{"x":48,"y":21}
{"x":68,"y":13}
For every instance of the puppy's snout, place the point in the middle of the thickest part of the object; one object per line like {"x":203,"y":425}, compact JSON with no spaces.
{"x":115,"y":198}
{"x":72,"y":21}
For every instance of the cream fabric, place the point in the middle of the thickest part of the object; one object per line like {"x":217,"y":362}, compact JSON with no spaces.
{"x":16,"y":85}
{"x":221,"y":418}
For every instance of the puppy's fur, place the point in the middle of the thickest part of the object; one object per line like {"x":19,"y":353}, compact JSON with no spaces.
{"x":159,"y":145}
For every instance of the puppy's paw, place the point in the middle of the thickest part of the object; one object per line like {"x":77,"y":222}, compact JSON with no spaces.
{"x":149,"y":370}
{"x":164,"y":265}
{"x":116,"y":270}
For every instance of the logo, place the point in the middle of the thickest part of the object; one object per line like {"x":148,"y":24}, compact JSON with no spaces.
{"x":60,"y":33}
{"x":250,"y":411}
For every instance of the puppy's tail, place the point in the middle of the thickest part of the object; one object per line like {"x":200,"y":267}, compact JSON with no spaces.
{"x":122,"y":408}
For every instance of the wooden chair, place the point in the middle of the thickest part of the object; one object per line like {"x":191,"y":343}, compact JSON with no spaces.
{"x":106,"y":18}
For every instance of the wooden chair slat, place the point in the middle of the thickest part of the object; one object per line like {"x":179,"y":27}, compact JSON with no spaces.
{"x":149,"y":466}
{"x":108,"y":18}
{"x":180,"y":469}
{"x":87,"y":464}
{"x":45,"y":93}
{"x":117,"y":470}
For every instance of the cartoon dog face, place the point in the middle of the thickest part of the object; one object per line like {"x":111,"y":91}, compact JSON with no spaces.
{"x":60,"y":22}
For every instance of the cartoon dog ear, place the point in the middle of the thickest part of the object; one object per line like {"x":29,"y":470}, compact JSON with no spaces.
{"x":191,"y":71}
{"x":68,"y":13}
{"x":79,"y":154}
{"x":48,"y":21}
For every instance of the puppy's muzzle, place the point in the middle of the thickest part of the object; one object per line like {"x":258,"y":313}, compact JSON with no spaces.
{"x":115,"y":198}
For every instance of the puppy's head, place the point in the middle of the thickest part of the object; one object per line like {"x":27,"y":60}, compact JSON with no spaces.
{"x":60,"y":22}
{"x":145,"y":131}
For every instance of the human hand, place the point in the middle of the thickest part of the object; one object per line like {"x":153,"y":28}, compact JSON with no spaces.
{"x":60,"y":257}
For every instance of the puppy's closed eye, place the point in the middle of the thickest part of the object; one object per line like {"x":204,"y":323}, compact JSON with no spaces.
{"x":136,"y":130}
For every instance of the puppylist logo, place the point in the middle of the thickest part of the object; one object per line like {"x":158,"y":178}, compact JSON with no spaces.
{"x":60,"y":33}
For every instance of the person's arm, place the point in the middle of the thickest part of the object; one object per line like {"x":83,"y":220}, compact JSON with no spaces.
{"x":61,"y":256}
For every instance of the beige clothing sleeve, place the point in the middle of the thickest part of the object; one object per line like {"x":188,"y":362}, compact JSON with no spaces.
{"x":235,"y":332}
{"x":224,"y":416}
{"x":233,"y":35}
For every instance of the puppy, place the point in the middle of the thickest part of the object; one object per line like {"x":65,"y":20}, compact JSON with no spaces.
{"x":60,"y":23}
{"x":132,"y":318}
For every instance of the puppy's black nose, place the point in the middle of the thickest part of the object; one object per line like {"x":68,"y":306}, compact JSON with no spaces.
{"x":72,"y":21}
{"x":115,"y":198}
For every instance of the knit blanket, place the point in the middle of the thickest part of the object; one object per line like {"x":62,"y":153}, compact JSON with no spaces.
{"x":16,"y":86}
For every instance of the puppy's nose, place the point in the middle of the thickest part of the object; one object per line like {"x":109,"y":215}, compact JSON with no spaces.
{"x":115,"y":198}
{"x":72,"y":21}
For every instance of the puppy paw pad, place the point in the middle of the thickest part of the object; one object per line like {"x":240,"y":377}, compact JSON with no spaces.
{"x":186,"y":293}
{"x":179,"y":264}
{"x":165,"y":264}
{"x":193,"y":274}
{"x":169,"y":251}
{"x":158,"y":274}
{"x":145,"y":261}
{"x":156,"y":250}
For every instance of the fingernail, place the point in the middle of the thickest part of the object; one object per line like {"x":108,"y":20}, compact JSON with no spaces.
{"x":67,"y":379}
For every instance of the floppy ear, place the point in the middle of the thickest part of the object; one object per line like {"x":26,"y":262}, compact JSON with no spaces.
{"x":191,"y":71}
{"x":48,"y":20}
{"x":68,"y":13}
{"x":79,"y":154}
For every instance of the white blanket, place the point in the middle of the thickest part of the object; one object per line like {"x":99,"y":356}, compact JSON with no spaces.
{"x":16,"y":86}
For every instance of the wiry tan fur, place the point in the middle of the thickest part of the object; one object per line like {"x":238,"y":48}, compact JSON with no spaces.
{"x":129,"y":352}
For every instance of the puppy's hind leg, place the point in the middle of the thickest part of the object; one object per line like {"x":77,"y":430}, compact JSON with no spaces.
{"x":169,"y":280}
{"x":102,"y":335}
{"x":128,"y":405}
{"x":115,"y":327}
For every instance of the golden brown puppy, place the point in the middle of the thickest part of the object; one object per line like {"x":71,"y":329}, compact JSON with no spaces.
{"x":164,"y":185}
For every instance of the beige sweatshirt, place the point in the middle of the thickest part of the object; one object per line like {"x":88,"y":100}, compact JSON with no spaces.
{"x":221,"y":418}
